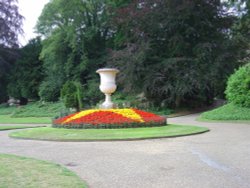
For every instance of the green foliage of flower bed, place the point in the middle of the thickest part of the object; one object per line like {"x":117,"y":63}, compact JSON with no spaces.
{"x":110,"y":126}
{"x":20,"y":172}
{"x":227,"y":112}
{"x":54,"y":134}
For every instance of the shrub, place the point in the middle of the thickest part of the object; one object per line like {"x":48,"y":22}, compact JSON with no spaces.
{"x":79,"y":94}
{"x":49,"y":91}
{"x":92,"y":94}
{"x":238,"y":87}
{"x":71,"y":94}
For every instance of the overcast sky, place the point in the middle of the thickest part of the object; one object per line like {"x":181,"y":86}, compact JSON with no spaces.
{"x":30,"y":10}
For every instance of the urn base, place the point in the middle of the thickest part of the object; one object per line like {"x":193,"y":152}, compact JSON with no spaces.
{"x":108,"y":104}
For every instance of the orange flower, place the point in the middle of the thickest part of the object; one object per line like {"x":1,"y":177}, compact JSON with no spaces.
{"x":106,"y":118}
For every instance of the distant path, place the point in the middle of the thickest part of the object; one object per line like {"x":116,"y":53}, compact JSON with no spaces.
{"x":219,"y":158}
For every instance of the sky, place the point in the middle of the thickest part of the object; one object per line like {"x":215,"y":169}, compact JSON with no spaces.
{"x":30,"y":10}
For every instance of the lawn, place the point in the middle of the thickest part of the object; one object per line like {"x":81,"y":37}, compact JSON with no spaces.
{"x":16,"y":172}
{"x":34,"y":112}
{"x":4,"y":110}
{"x":61,"y":134}
{"x":4,"y":119}
{"x":227,"y":112}
{"x":10,"y":127}
{"x":39,"y":109}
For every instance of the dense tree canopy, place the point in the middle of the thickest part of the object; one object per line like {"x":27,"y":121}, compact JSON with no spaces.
{"x":11,"y":22}
{"x":76,"y":41}
{"x":241,"y":28}
{"x":10,"y":27}
{"x":27,"y":74}
{"x":8,"y":57}
{"x":176,"y":52}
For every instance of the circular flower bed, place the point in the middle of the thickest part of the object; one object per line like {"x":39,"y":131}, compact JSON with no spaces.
{"x":110,"y":118}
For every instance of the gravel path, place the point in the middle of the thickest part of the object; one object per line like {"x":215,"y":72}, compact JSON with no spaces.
{"x":217,"y":159}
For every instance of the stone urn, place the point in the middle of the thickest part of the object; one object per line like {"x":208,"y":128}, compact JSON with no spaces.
{"x":108,"y":85}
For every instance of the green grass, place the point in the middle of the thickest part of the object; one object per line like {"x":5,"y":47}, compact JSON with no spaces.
{"x":4,"y":110}
{"x":4,"y":128}
{"x":61,"y":134}
{"x":33,"y":109}
{"x":39,"y":109}
{"x":35,"y":112}
{"x":227,"y":112}
{"x":4,"y":119}
{"x":16,"y":172}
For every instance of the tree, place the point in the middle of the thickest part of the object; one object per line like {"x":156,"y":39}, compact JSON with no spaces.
{"x":10,"y":27}
{"x":27,"y":74}
{"x":72,"y":95}
{"x":11,"y":22}
{"x":75,"y":41}
{"x":182,"y":50}
{"x":7,"y":58}
{"x":241,"y":29}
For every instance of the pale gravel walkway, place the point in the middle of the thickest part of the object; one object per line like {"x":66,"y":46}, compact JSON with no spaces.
{"x":217,"y":159}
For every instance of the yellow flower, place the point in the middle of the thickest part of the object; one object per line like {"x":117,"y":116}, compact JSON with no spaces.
{"x":80,"y":114}
{"x":126,"y":112}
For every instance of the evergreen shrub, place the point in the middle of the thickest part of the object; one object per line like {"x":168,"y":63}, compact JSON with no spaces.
{"x":71,"y":94}
{"x":238,"y":87}
{"x":49,"y":91}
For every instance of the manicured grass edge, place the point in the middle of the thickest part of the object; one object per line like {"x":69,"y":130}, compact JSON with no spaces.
{"x":227,"y":113}
{"x":108,"y":140}
{"x":7,"y":119}
{"x":55,"y":165}
{"x":7,"y":128}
